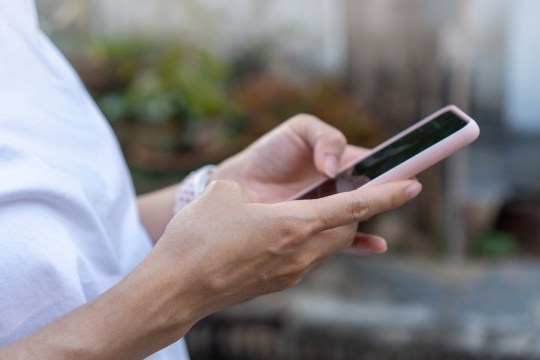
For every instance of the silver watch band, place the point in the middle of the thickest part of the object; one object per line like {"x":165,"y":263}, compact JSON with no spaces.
{"x":192,"y":186}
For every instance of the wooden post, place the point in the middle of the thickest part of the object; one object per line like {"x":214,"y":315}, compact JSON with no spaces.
{"x":459,"y":52}
{"x":404,"y":66}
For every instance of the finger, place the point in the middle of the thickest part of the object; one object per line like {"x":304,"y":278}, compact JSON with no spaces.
{"x":365,"y":244}
{"x":353,"y":153}
{"x":327,"y":142}
{"x":357,"y":205}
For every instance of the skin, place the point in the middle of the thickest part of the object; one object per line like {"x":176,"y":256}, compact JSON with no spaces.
{"x":235,"y":242}
{"x":297,"y":153}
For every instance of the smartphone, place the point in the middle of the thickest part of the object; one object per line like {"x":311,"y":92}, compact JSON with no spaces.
{"x":404,"y":155}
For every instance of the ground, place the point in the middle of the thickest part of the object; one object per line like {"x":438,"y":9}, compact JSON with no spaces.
{"x":392,"y":307}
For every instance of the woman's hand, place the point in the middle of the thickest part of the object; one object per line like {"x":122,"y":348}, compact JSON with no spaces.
{"x":294,"y":155}
{"x":227,"y":246}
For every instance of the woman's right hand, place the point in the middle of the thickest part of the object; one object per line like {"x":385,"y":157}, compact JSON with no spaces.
{"x":228,"y":247}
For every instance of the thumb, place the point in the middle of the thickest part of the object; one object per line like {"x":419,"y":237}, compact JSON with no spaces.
{"x":327,"y":142}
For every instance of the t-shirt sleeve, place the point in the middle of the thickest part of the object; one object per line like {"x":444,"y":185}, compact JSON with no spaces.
{"x":44,"y":272}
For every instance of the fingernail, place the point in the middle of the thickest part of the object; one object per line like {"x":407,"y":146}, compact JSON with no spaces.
{"x":364,"y":250}
{"x":414,"y":190}
{"x":331,"y":165}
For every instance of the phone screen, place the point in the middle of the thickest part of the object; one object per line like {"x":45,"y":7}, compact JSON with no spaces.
{"x":391,"y":155}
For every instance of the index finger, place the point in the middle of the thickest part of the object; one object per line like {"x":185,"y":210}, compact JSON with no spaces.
{"x":357,"y":205}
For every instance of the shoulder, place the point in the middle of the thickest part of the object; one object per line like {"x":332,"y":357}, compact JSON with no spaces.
{"x":27,"y":176}
{"x":39,"y":208}
{"x":50,"y":249}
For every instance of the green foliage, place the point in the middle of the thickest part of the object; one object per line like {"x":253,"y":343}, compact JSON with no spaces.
{"x":157,"y":83}
{"x":493,"y":243}
{"x":174,"y":105}
{"x":181,"y":86}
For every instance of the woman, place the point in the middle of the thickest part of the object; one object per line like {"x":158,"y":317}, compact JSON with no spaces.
{"x":79,"y":275}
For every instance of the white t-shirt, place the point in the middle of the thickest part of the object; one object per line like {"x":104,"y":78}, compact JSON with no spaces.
{"x":69,"y":226}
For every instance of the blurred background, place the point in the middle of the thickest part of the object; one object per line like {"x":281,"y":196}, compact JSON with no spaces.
{"x":190,"y":82}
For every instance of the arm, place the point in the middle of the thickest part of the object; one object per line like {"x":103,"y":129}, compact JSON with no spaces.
{"x":224,"y":248}
{"x":156,"y":210}
{"x":130,"y":321}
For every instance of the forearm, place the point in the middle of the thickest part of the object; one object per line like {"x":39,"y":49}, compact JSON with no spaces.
{"x":156,"y":210}
{"x":144,"y":313}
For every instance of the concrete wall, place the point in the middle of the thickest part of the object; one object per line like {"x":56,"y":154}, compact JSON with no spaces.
{"x":523,"y":67}
{"x":409,"y":57}
{"x":410,"y":37}
{"x":309,"y":32}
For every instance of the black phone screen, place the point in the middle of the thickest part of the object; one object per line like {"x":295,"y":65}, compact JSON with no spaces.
{"x":391,"y":155}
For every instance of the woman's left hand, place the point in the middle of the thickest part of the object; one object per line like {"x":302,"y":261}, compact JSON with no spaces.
{"x":294,"y":155}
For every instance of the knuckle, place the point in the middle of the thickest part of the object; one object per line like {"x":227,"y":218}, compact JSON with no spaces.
{"x":360,"y":209}
{"x":395,"y":200}
{"x":320,"y":218}
{"x":300,"y":264}
{"x":223,"y":185}
{"x":325,"y":130}
{"x":339,"y":138}
{"x":292,"y":233}
{"x":289,"y":234}
{"x":304,"y":119}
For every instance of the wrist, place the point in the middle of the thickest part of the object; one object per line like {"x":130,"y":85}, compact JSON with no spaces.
{"x":149,"y":309}
{"x":192,"y":186}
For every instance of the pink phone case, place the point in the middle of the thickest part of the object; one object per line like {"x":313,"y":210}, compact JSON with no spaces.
{"x":421,"y":161}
